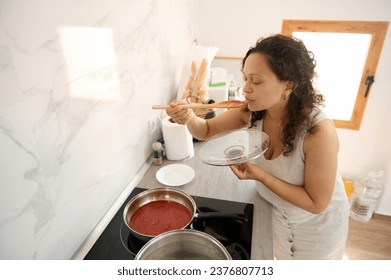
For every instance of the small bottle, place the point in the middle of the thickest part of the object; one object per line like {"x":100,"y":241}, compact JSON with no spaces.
{"x":232,"y":90}
{"x":157,"y":153}
{"x":365,"y":197}
{"x":161,"y":140}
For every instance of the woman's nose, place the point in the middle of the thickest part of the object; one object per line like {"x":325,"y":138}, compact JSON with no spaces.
{"x":246,"y":88}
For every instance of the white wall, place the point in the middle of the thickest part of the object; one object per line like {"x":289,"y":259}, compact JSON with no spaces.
{"x":234,"y":25}
{"x":64,"y":159}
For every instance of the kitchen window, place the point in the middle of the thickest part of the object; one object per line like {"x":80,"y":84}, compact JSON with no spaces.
{"x":347,"y":53}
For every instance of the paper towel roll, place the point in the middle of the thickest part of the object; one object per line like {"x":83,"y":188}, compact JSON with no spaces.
{"x":178,"y":141}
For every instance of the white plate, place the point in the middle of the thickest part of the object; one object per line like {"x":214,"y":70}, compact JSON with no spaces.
{"x":175,"y":174}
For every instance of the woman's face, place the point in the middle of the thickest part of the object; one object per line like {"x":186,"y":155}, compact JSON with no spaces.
{"x":262,"y":89}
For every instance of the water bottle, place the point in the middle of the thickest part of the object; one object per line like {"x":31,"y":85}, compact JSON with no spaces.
{"x":365,"y":196}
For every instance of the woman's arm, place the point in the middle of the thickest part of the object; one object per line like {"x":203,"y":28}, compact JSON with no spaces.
{"x":321,"y":152}
{"x":321,"y":163}
{"x":205,"y":128}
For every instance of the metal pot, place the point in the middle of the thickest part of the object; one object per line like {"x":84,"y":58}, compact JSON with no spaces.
{"x":169,"y":194}
{"x":183,"y":244}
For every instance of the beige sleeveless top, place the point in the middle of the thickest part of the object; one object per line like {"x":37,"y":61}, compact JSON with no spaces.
{"x":299,"y":234}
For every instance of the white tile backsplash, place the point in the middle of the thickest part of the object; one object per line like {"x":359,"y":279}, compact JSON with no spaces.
{"x":77,"y":81}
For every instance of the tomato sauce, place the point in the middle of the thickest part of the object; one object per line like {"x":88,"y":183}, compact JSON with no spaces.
{"x":157,"y":217}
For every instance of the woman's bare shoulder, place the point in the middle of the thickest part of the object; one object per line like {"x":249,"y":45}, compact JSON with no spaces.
{"x":323,"y":135}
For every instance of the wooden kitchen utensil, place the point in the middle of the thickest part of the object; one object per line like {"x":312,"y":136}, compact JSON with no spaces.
{"x":224,"y":104}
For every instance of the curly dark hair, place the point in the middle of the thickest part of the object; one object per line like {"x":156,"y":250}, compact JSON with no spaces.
{"x":290,"y":60}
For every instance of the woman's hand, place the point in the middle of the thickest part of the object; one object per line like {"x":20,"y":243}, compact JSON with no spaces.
{"x":246,"y":171}
{"x":178,"y":114}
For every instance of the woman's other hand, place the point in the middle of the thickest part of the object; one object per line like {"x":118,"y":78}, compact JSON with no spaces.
{"x":246,"y":171}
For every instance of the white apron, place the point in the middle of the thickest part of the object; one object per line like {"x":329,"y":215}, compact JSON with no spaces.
{"x":297,"y":233}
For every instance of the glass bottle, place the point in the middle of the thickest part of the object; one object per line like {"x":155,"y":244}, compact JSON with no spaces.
{"x":232,"y":90}
{"x":157,"y":153}
{"x":365,"y":196}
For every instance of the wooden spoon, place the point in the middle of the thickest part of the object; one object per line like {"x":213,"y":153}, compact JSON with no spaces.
{"x":224,"y":104}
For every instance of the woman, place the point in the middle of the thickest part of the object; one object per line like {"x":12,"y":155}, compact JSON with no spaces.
{"x":298,"y":173}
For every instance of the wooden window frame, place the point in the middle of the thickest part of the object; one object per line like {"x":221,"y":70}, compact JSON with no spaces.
{"x":377,"y":30}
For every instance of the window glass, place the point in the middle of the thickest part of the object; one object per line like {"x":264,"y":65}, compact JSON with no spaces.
{"x":340,"y":59}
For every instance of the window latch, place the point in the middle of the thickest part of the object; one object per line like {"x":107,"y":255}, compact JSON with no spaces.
{"x":369,"y":81}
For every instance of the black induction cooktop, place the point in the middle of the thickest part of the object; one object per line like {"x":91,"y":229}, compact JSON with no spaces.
{"x":118,"y":243}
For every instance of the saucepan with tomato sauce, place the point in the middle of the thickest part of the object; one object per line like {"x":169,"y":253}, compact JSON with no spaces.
{"x":156,"y":211}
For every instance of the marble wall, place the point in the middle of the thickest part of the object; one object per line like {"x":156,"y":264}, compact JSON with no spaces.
{"x":77,"y":81}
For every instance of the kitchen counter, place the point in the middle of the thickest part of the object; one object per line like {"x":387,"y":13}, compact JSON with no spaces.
{"x":220,"y":183}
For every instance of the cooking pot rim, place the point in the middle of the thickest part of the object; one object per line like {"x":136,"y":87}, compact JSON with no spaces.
{"x":167,"y":234}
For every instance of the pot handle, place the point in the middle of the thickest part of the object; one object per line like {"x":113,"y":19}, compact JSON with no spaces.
{"x":207,"y":215}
